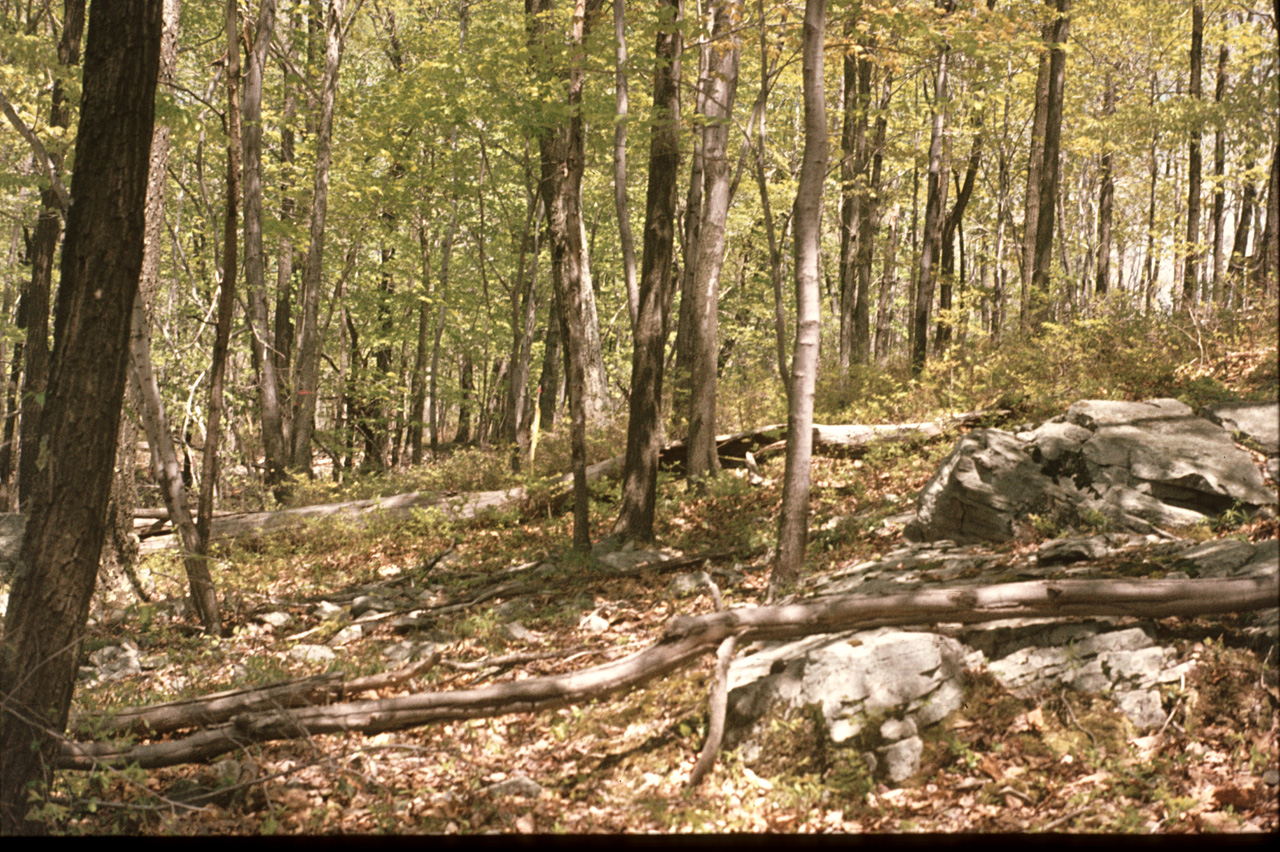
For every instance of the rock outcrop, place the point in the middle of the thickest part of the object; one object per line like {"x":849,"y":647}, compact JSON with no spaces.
{"x":1125,"y":466}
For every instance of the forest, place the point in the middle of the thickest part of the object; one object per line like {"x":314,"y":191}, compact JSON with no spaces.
{"x":466,"y":318}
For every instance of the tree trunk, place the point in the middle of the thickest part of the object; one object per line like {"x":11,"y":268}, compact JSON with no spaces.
{"x":1191,"y":259}
{"x":562,"y":152}
{"x":307,"y":370}
{"x":1106,"y":195}
{"x":1048,"y":196}
{"x":620,"y":163}
{"x":1035,"y":169}
{"x":1219,"y":187}
{"x":793,"y":519}
{"x":935,"y":201}
{"x":101,"y":262}
{"x":42,"y":255}
{"x":1265,"y":260}
{"x":422,"y":354}
{"x":656,"y":288}
{"x":722,"y":84}
{"x":264,"y":357}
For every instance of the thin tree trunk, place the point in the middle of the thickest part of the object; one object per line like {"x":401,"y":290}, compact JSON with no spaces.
{"x":1219,"y":187}
{"x":307,"y":368}
{"x":656,"y":288}
{"x":793,"y":518}
{"x":620,"y":163}
{"x":935,"y":202}
{"x":1191,"y":259}
{"x":275,"y":453}
{"x":722,"y":85}
{"x":1035,"y":169}
{"x":1265,"y":261}
{"x":1049,"y":180}
{"x":1106,"y":195}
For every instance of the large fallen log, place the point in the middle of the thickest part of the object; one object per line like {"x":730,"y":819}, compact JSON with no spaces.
{"x":685,"y":639}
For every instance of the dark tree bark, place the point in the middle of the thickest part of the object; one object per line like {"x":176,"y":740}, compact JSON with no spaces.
{"x":1191,"y":259}
{"x":620,"y":162}
{"x":656,"y":287}
{"x":275,"y":452}
{"x":1035,"y":169}
{"x":950,"y":227}
{"x":44,"y":249}
{"x":562,"y":149}
{"x":1265,"y":261}
{"x":935,"y":202}
{"x":793,"y":518}
{"x":1219,"y":189}
{"x":307,"y":368}
{"x":1048,"y":196}
{"x":1106,"y":194}
{"x":101,"y":262}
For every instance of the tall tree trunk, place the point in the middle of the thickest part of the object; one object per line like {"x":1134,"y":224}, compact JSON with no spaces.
{"x":1048,"y":196}
{"x":722,"y":80}
{"x":307,"y":370}
{"x":1106,"y":194}
{"x":656,"y":287}
{"x":888,"y":278}
{"x":950,"y":225}
{"x":562,"y":152}
{"x":42,"y":254}
{"x":1191,"y":259}
{"x":264,"y":358}
{"x":422,"y":354}
{"x":101,"y":262}
{"x":935,"y":202}
{"x":620,"y":162}
{"x":856,"y":83}
{"x":1265,"y":261}
{"x":793,"y":518}
{"x":1219,"y":188}
{"x":1035,"y":169}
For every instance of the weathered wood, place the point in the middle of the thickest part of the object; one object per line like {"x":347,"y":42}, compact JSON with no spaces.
{"x":688,"y":637}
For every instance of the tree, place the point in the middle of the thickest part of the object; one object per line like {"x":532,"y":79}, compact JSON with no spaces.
{"x":1048,"y":192}
{"x":656,"y":287}
{"x":1191,"y":257}
{"x":793,"y":519}
{"x":101,"y":264}
{"x":561,"y":145}
{"x":935,"y":202}
{"x":719,"y":87}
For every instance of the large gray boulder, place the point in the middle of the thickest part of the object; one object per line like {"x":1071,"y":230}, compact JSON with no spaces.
{"x":1134,"y":464}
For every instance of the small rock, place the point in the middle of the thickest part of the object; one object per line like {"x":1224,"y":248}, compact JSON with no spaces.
{"x":347,"y":634}
{"x":519,"y":785}
{"x":312,"y":654}
{"x":326,"y":610}
{"x":275,"y":619}
{"x":1142,"y":706}
{"x":901,"y":759}
{"x":684,"y":585}
{"x":369,"y":603}
{"x":593,"y":623}
{"x":516,"y":632}
{"x":1271,"y":777}
{"x":897,"y":729}
{"x":398,"y":652}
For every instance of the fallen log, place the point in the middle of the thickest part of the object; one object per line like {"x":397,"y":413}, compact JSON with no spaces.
{"x":688,"y":637}
{"x":846,"y":440}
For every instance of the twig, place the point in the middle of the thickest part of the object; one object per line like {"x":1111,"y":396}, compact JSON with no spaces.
{"x":514,"y":659}
{"x":1052,"y":824}
{"x":719,"y":704}
{"x":1072,"y":713}
{"x":1169,"y":718}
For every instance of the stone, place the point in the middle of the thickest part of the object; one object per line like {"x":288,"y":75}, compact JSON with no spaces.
{"x":897,"y":729}
{"x":684,"y":585}
{"x":1257,"y":421}
{"x":516,"y":632}
{"x":1132,"y":464}
{"x":347,"y":634}
{"x":901,"y":760}
{"x":312,"y":654}
{"x":326,"y":610}
{"x":593,"y":623}
{"x":369,"y":603}
{"x":1060,"y":551}
{"x":1142,"y":706}
{"x":913,"y":677}
{"x":518,"y":785}
{"x":275,"y":619}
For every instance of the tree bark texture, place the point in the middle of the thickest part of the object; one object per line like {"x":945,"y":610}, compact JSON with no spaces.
{"x":1048,"y":194}
{"x":307,"y":367}
{"x":101,"y":263}
{"x":1106,"y":195}
{"x":721,"y":84}
{"x":656,"y":287}
{"x":793,"y":518}
{"x":1191,"y":257}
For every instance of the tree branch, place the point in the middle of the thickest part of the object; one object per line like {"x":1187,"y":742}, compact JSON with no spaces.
{"x":37,"y":147}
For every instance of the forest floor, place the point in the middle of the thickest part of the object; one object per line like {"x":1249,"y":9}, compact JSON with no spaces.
{"x":621,"y":764}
